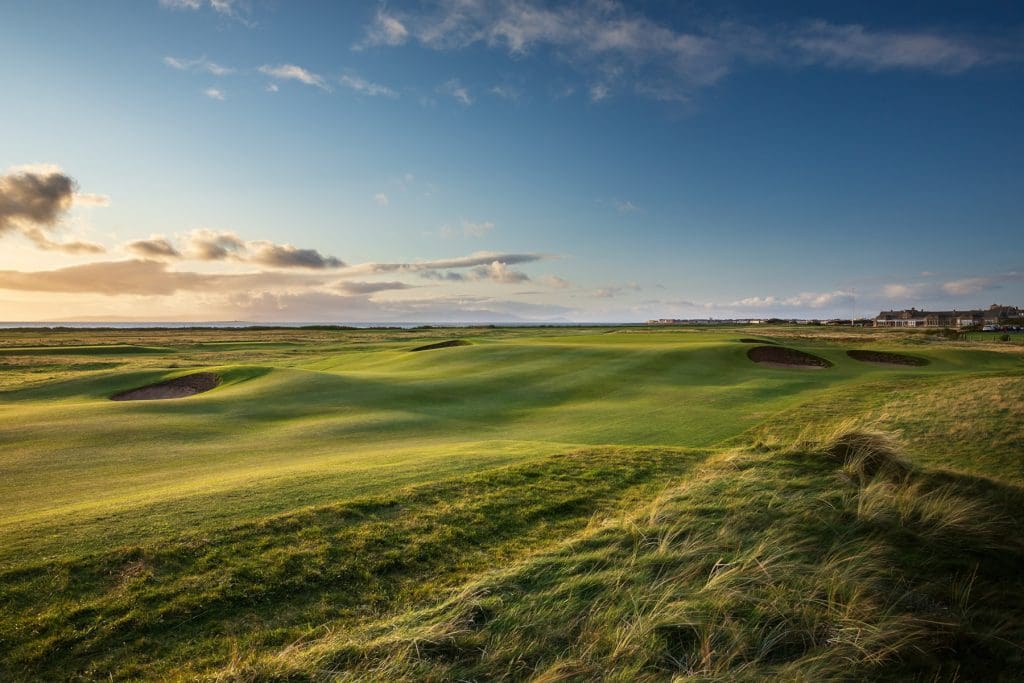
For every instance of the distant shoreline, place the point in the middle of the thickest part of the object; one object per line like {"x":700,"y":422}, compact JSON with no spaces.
{"x":241,"y":325}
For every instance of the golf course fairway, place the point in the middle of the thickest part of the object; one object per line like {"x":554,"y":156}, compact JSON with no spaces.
{"x":591,"y":503}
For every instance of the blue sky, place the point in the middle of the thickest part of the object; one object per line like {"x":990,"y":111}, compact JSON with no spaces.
{"x":508,"y":159}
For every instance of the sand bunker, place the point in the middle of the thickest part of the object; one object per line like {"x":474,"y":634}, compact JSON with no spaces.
{"x":782,"y":357}
{"x":179,"y":387}
{"x":886,"y":358}
{"x":442,"y":345}
{"x":751,"y":340}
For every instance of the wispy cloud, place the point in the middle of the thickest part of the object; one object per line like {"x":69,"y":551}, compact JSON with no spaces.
{"x":976,"y":285}
{"x":498,"y":271}
{"x":212,"y":245}
{"x":815,"y":300}
{"x":619,"y":49}
{"x":138,"y":277}
{"x":215,"y":94}
{"x":506,"y":92}
{"x":934,"y":289}
{"x":219,"y":245}
{"x":599,"y":92}
{"x":365,"y":87}
{"x":554,"y":282}
{"x":156,"y":247}
{"x":381,"y":199}
{"x":291,"y":72}
{"x":386,"y":29}
{"x":467,"y":229}
{"x":481,"y":265}
{"x":90,"y":199}
{"x":456,"y":91}
{"x":353,"y":287}
{"x":855,"y":46}
{"x":287,"y":256}
{"x":227,"y":8}
{"x":200,"y":64}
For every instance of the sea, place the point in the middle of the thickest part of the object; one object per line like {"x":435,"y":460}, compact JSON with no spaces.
{"x":241,"y":324}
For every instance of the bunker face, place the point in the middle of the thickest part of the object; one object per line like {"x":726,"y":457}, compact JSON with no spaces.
{"x":442,"y":345}
{"x":886,"y":358}
{"x":782,"y":357}
{"x":179,"y":387}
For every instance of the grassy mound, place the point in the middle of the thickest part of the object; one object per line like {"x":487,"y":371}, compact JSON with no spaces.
{"x":442,"y":345}
{"x":886,"y":358}
{"x":751,"y":340}
{"x":764,"y":566}
{"x":781,"y":356}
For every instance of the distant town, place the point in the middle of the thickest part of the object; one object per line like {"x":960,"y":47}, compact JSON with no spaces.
{"x":992,"y":319}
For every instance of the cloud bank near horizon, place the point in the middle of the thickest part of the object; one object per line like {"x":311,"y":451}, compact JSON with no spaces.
{"x":290,"y":281}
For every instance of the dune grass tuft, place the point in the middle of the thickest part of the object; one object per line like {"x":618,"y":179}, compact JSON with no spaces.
{"x":801,"y":575}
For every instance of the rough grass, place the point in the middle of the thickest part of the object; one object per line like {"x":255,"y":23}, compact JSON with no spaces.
{"x":550,"y":504}
{"x":774,"y":565}
{"x":168,"y":608}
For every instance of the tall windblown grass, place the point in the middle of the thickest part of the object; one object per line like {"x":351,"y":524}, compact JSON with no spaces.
{"x":768,"y":564}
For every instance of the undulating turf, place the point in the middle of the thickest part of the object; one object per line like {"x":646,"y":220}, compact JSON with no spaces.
{"x":601,"y":502}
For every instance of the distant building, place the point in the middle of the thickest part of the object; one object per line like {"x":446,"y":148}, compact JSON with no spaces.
{"x":912,"y":317}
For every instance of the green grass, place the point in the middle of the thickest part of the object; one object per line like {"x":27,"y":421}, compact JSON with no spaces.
{"x":996,"y":337}
{"x":338,"y":502}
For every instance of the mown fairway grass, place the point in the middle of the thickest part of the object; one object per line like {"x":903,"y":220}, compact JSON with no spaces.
{"x":338,"y":501}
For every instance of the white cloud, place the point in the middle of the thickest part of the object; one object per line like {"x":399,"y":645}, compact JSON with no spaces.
{"x":215,"y":94}
{"x":90,"y":199}
{"x":554,"y":282}
{"x":386,"y":29}
{"x":139,"y":276}
{"x":467,"y":229}
{"x":431,"y":268}
{"x":381,"y":199}
{"x":971,"y":285}
{"x":182,"y":4}
{"x":626,"y":207}
{"x":292,"y":72}
{"x":202,"y":64}
{"x":352,"y":287}
{"x":366,"y":87}
{"x":228,"y":8}
{"x":802,"y":300}
{"x":272,"y":87}
{"x":903,"y":291}
{"x":457,"y":91}
{"x":618,"y":48}
{"x":498,"y":271}
{"x":476,"y":228}
{"x":506,"y":92}
{"x":854,"y":46}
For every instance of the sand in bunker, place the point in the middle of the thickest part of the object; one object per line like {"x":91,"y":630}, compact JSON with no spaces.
{"x":782,"y":357}
{"x":442,"y":345}
{"x":179,"y":387}
{"x":885,"y":358}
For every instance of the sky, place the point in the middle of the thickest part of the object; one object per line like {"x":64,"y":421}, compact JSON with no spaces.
{"x":508,"y":160}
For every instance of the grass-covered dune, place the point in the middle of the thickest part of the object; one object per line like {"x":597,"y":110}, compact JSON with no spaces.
{"x":527,"y":504}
